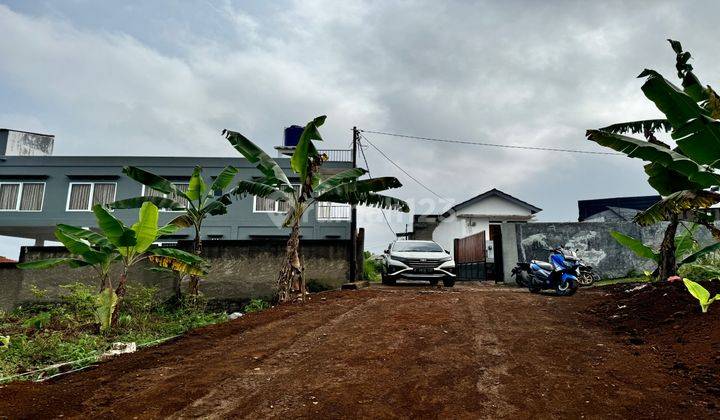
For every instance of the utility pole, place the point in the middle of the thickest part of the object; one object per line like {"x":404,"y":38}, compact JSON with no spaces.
{"x":353,"y":213}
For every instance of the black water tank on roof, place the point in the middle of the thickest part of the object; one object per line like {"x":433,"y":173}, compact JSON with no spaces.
{"x":292,"y":135}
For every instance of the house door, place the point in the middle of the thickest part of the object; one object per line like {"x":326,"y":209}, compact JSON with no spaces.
{"x":496,"y":236}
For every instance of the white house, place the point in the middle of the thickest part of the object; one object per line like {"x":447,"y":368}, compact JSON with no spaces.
{"x":475,"y":215}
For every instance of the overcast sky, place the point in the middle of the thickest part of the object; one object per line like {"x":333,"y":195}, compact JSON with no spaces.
{"x":164,"y":77}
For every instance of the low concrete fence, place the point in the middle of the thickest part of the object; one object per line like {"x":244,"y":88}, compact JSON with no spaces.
{"x":241,"y":270}
{"x":593,"y":243}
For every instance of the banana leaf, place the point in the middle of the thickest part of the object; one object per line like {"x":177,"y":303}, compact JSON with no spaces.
{"x":105,"y":303}
{"x":197,"y":187}
{"x":52,"y":262}
{"x":137,"y":202}
{"x":224,"y":179}
{"x":153,"y":181}
{"x":340,"y":178}
{"x":116,"y":232}
{"x":146,"y":228}
{"x":650,"y":152}
{"x":257,"y":157}
{"x":676,"y":203}
{"x":305,"y":148}
{"x":635,"y":245}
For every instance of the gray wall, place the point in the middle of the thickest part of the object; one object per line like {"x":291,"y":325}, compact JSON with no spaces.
{"x":241,"y":270}
{"x":593,"y":242}
{"x":58,"y":171}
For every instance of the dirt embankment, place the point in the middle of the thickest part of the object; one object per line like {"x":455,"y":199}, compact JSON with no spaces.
{"x":474,"y":352}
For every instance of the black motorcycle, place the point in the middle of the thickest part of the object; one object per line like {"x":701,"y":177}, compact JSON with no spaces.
{"x":587,"y":275}
{"x":560,"y":273}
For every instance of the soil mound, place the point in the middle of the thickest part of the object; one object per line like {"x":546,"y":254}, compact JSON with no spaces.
{"x":666,"y":318}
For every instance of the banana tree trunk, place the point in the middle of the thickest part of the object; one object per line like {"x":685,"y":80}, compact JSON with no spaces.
{"x":194,"y":285}
{"x":120,"y":291}
{"x":668,"y":265}
{"x":290,"y":279}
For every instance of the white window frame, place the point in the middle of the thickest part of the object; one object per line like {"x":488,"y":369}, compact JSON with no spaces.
{"x":92,"y":193}
{"x":144,"y":188}
{"x":330,"y":219}
{"x":19,"y":196}
{"x":277,"y":205}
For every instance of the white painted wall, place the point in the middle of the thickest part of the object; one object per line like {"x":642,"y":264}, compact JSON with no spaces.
{"x":454,"y":227}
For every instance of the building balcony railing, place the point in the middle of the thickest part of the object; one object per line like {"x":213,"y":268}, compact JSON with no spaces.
{"x":338,"y":155}
{"x":334,"y":155}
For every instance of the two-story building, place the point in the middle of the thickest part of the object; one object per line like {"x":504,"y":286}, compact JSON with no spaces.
{"x":38,"y":190}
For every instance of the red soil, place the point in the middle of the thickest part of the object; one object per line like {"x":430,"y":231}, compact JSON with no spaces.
{"x":475,"y":351}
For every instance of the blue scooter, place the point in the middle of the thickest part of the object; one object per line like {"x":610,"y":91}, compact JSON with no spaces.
{"x":559,"y":274}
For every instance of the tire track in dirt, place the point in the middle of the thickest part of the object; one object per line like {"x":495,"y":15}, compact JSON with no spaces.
{"x":228,"y":394}
{"x":406,"y":354}
{"x":491,"y":356}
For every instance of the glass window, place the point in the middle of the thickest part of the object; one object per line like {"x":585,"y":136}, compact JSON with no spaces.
{"x":32,"y":196}
{"x":332,"y":211}
{"x":413,"y":246}
{"x":103,"y":193}
{"x":9,"y":195}
{"x":265,"y":204}
{"x":84,"y":195}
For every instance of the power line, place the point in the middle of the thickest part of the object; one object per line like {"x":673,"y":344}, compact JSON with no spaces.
{"x":476,"y":143}
{"x":398,"y":166}
{"x":368,"y":169}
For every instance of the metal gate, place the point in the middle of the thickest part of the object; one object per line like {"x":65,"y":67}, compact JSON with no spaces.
{"x":471,"y":258}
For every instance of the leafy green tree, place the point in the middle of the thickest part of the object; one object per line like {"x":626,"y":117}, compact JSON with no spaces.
{"x":115,"y":242}
{"x":681,"y":174}
{"x":202,"y":201}
{"x":343,"y":187}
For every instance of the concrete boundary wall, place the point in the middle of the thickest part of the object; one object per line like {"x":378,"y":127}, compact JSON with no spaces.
{"x":592,"y":241}
{"x":241,"y":270}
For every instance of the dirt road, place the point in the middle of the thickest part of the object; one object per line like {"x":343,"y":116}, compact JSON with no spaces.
{"x":471,"y":352}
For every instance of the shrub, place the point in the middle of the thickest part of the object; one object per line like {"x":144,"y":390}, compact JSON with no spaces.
{"x":256,"y":305}
{"x":371,"y":267}
{"x":705,"y":268}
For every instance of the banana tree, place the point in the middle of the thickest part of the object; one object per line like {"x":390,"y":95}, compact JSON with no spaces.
{"x":115,"y":242}
{"x":343,"y":187}
{"x":87,"y":249}
{"x":681,"y":174}
{"x":202,"y":201}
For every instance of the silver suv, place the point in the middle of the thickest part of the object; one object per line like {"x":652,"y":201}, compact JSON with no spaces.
{"x":418,"y":260}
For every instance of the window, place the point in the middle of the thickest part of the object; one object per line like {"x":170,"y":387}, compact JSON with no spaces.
{"x":327,"y":211}
{"x":182,"y":186}
{"x":268,"y":205}
{"x":82,"y":196}
{"x":21,"y":196}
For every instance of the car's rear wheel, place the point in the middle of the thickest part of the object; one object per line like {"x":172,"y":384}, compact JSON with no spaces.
{"x":449,"y":282}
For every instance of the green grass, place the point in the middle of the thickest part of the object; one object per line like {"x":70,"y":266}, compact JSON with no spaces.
{"x":50,"y":333}
{"x":610,"y":282}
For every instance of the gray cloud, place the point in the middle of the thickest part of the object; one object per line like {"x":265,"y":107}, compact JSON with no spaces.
{"x":160,"y":78}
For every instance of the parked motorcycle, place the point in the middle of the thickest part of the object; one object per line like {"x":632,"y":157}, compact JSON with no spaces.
{"x":587,"y":275}
{"x":560,"y":273}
